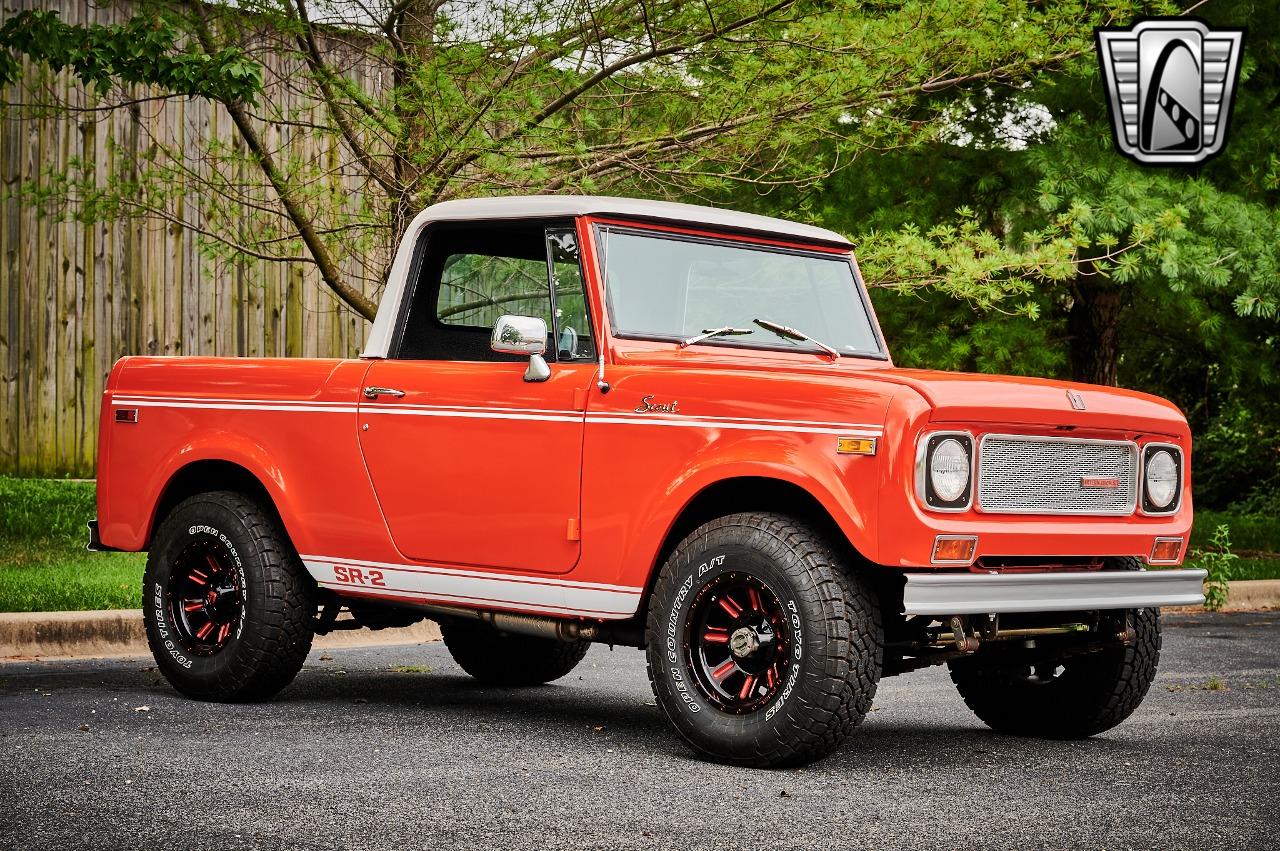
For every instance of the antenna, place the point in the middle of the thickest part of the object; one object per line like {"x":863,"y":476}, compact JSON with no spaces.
{"x":603,"y":385}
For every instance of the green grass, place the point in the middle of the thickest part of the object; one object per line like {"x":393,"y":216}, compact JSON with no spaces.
{"x":1250,"y":568}
{"x":1255,"y":538}
{"x":1248,"y":533}
{"x":43,"y":563}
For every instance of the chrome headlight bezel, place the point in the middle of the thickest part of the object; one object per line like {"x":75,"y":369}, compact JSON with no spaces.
{"x":1147,"y":505}
{"x":925,"y":492}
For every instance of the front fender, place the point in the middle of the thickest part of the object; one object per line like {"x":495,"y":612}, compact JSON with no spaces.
{"x":837,"y":486}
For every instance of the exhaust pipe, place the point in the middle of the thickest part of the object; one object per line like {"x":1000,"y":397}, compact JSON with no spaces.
{"x":539,"y":627}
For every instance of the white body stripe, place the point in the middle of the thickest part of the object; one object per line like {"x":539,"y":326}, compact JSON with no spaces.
{"x":483,"y":590}
{"x":483,"y":574}
{"x":849,"y":431}
{"x":243,"y":406}
{"x":531,"y":414}
{"x":513,"y":414}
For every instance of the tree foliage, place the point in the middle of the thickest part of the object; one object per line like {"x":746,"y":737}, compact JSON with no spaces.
{"x":964,"y":145}
{"x":1030,"y":245}
{"x":655,"y":97}
{"x":147,"y":49}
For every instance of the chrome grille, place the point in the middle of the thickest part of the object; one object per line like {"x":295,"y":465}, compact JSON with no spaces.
{"x":1046,"y":475}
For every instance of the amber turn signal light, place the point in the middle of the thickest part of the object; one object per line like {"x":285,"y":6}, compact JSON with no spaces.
{"x":856,"y":445}
{"x":953,"y":549}
{"x":1166,"y":551}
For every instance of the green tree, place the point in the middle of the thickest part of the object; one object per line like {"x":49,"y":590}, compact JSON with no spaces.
{"x":658,"y":97}
{"x":1017,"y":239}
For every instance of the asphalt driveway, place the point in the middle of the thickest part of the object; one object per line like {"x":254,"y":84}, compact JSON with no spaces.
{"x":395,"y":748}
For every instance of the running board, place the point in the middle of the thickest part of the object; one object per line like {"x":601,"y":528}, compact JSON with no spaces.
{"x":1062,"y":591}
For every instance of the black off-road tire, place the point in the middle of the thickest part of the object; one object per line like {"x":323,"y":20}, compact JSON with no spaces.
{"x":266,"y":646}
{"x":1088,"y":695}
{"x":503,"y":659}
{"x":831,"y":642}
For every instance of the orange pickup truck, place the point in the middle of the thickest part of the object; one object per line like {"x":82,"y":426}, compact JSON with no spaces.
{"x":583,"y":419}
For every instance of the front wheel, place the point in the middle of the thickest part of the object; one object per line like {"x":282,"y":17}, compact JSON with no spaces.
{"x":1072,"y":698}
{"x":228,"y":606}
{"x":763,"y":650}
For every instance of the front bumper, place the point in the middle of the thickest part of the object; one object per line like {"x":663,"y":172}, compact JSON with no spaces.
{"x":1060,"y":591}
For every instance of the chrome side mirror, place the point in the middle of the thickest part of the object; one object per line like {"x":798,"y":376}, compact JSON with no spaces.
{"x":523,"y":335}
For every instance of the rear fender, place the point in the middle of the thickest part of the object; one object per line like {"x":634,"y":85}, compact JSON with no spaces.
{"x":134,"y":531}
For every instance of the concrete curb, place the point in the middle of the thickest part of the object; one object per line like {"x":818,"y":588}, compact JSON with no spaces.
{"x":1249,"y":595}
{"x":119,"y":632}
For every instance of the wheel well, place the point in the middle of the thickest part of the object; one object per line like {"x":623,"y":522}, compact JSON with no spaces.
{"x":753,"y":493}
{"x":732,"y":496}
{"x":210,"y":475}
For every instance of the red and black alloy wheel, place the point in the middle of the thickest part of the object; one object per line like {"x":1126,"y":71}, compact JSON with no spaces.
{"x":205,"y":597}
{"x":763,"y":647}
{"x":228,"y":606}
{"x":739,"y":643}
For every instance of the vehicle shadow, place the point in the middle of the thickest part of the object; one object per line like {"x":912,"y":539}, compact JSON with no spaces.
{"x":634,"y":723}
{"x":565,"y":712}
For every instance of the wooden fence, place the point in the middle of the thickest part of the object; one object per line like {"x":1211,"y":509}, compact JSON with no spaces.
{"x":76,"y":297}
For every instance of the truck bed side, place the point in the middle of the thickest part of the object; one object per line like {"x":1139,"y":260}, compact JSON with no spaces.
{"x":161,"y":416}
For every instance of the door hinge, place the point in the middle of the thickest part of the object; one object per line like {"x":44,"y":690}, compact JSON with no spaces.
{"x":574,"y":535}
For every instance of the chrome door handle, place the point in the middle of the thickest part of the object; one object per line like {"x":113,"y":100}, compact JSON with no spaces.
{"x":375,"y":392}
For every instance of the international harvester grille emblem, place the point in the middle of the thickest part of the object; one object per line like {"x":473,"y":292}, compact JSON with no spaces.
{"x":1169,"y":87}
{"x":1101,"y":482}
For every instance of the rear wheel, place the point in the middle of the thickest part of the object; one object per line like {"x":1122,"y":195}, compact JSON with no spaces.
{"x":1072,"y":698}
{"x":763,"y":650}
{"x":500,"y":658}
{"x":227,"y":604}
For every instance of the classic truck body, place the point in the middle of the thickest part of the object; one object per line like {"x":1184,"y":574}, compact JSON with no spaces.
{"x":779,"y":519}
{"x":479,"y":489}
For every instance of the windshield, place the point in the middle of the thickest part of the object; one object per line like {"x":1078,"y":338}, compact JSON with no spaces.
{"x":678,"y":288}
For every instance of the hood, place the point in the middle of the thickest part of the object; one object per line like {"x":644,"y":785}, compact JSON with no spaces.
{"x":969,"y":398}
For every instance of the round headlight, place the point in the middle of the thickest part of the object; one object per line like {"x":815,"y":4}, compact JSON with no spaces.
{"x":949,"y":470}
{"x":1162,"y":479}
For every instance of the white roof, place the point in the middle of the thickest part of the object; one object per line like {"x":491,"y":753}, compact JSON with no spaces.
{"x":566,"y":206}
{"x":551,"y":206}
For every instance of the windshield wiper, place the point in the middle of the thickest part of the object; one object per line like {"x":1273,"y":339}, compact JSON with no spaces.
{"x":793,"y":334}
{"x":708,"y":333}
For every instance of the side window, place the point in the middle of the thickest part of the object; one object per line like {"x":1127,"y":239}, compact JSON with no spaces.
{"x":469,"y":275}
{"x":475,"y":289}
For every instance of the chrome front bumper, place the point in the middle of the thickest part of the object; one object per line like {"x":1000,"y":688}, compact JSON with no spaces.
{"x":1064,"y":591}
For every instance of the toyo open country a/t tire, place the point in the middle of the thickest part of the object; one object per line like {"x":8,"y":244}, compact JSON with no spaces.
{"x":227,"y":604}
{"x":1079,"y":696}
{"x":763,"y":649}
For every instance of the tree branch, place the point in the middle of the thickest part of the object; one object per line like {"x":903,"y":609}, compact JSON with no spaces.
{"x":449,"y":170}
{"x":322,"y":73}
{"x":324,"y":261}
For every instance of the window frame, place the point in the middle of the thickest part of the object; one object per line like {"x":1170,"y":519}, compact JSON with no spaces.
{"x":572,"y":230}
{"x":414,"y":288}
{"x":599,"y":234}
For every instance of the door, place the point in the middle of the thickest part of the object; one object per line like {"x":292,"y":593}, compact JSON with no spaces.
{"x":472,"y":464}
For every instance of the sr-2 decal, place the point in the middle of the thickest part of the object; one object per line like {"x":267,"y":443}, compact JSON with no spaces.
{"x":358,"y":576}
